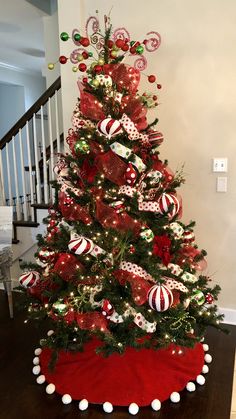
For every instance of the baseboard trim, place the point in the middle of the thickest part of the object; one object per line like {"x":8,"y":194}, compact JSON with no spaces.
{"x":230,"y":315}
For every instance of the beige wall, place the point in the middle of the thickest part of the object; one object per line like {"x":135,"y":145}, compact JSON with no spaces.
{"x":196,"y":66}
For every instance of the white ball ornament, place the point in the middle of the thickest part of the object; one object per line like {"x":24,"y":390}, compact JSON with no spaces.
{"x":83,"y":404}
{"x":40,"y":379}
{"x":200,"y":380}
{"x":107,"y":407}
{"x":205,"y":347}
{"x":190,"y":386}
{"x":175,"y":397}
{"x":38,"y":351}
{"x":50,"y":388}
{"x":208,"y":358}
{"x":50,"y":332}
{"x":36,"y":370}
{"x":36,"y":360}
{"x":205,"y":369}
{"x":133,"y":409}
{"x":66,"y":399}
{"x":156,"y":405}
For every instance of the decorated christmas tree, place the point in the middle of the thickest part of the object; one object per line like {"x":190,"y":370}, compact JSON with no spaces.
{"x":118,"y":274}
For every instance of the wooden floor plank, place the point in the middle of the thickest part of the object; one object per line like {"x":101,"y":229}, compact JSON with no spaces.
{"x":22,"y":397}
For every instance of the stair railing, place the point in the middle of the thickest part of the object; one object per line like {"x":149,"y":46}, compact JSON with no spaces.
{"x":28,"y":152}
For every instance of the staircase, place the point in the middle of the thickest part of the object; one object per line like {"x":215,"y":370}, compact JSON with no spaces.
{"x":28,"y":153}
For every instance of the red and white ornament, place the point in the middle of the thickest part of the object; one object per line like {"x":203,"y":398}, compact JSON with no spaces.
{"x":155,"y":137}
{"x":118,"y":206}
{"x":130,"y":175}
{"x":188,"y":237}
{"x":81,"y":245}
{"x":29,"y":279}
{"x":160,"y":298}
{"x":109,"y":127}
{"x":107,"y":308}
{"x":209,"y":298}
{"x":46,"y":255}
{"x":169,"y":204}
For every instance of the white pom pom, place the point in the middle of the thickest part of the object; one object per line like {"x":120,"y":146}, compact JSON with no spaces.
{"x":36,"y":360}
{"x":175,"y":397}
{"x":202,"y":340}
{"x":205,"y":369}
{"x":83,"y":404}
{"x":50,"y":388}
{"x":205,"y":347}
{"x":40,"y":379}
{"x":66,"y":399}
{"x":107,"y":407}
{"x":36,"y":370}
{"x":156,"y":404}
{"x":38,"y":351}
{"x":200,"y":380}
{"x":133,"y":409}
{"x":50,"y":332}
{"x":190,"y":386}
{"x":208,"y":358}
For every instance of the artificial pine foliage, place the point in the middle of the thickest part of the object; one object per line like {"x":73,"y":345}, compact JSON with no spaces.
{"x":117,"y":261}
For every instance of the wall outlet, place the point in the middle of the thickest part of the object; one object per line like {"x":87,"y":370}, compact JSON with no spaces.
{"x":221,"y":184}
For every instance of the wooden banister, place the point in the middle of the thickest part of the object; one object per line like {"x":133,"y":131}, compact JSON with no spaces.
{"x":29,"y":114}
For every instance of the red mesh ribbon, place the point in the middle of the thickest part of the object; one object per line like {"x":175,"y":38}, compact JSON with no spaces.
{"x":88,"y":171}
{"x":73,"y":211}
{"x":188,"y":254}
{"x":135,"y":110}
{"x":112,"y":167}
{"x":91,"y":321}
{"x":67,"y":266}
{"x":71,"y":140}
{"x":89,"y":105}
{"x":109,"y":218}
{"x":124,"y":76}
{"x":164,"y":169}
{"x":139,"y":286}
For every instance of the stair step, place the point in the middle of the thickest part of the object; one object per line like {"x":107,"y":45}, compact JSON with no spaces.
{"x":40,"y":206}
{"x":22,"y":223}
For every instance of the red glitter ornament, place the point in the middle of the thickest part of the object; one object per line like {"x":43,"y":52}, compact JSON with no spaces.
{"x":85,"y":55}
{"x":125,"y":47}
{"x":63,"y":59}
{"x":110,"y":43}
{"x":84,"y":42}
{"x":97,"y":69}
{"x":152,"y":78}
{"x":85,"y":80}
{"x":82,"y":67}
{"x":119,"y":43}
{"x":209,"y":298}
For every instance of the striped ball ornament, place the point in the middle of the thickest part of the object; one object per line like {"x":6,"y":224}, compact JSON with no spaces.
{"x":29,"y":279}
{"x":81,"y":245}
{"x":168,"y":204}
{"x":109,"y":127}
{"x":160,"y":298}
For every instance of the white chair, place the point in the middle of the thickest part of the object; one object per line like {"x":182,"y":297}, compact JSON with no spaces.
{"x":6,"y":252}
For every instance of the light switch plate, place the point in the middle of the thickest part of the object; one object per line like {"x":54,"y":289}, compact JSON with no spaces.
{"x":221,"y":184}
{"x":220,"y":164}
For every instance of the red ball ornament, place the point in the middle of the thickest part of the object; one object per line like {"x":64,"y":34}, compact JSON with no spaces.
{"x":209,"y":298}
{"x":85,"y":55}
{"x":152,"y":78}
{"x":130,"y":175}
{"x":29,"y":279}
{"x":110,"y":43}
{"x":160,"y":298}
{"x":125,"y":47}
{"x":133,"y":50}
{"x":159,"y":86}
{"x":109,"y":127}
{"x":132,"y":249}
{"x":169,"y":204}
{"x":97,"y":69}
{"x":46,"y":255}
{"x":82,"y":67}
{"x":63,"y":59}
{"x":84,"y":42}
{"x":85,"y":80}
{"x":119,"y":43}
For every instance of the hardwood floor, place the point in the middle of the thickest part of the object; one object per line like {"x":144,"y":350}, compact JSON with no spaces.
{"x":21,"y":396}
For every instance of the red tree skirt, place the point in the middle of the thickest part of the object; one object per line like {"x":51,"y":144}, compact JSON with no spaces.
{"x":137,"y":376}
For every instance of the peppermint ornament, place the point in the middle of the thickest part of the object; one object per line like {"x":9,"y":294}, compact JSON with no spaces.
{"x":29,"y":279}
{"x":160,"y":298}
{"x":168,"y":205}
{"x":109,"y":127}
{"x":130,"y":175}
{"x":81,"y":245}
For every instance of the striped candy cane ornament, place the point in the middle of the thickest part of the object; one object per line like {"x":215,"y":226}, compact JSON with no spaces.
{"x":160,"y":298}
{"x":29,"y":279}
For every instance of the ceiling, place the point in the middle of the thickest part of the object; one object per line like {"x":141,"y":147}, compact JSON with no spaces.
{"x":21,"y":34}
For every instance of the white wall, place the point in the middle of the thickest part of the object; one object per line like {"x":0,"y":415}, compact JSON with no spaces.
{"x":12,"y":106}
{"x":196,"y":66}
{"x":51,"y":45}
